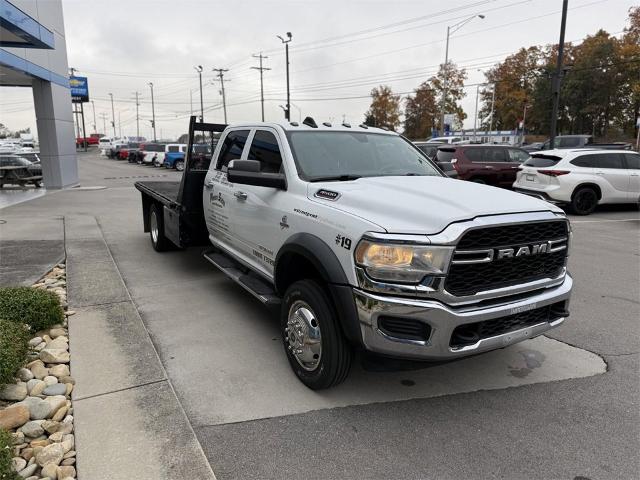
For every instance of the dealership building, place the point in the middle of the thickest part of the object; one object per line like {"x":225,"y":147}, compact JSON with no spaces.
{"x":33,"y":54}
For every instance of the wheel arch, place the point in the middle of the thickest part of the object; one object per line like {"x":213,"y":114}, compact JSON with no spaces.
{"x":592,"y":185}
{"x":304,"y":255}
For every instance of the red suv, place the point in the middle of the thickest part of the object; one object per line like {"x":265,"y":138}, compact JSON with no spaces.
{"x":495,"y":165}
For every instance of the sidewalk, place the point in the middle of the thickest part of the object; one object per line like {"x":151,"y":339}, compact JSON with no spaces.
{"x":128,"y":421}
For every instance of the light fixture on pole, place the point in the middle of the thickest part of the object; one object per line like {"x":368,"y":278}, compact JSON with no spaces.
{"x":287,"y":112}
{"x":199,"y":70}
{"x":450,"y":29}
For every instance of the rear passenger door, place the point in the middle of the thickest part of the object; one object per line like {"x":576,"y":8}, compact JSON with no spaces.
{"x":633,"y":167}
{"x":611,"y":167}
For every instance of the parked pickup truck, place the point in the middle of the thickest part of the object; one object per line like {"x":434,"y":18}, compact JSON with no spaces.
{"x":583,"y":141}
{"x":362,"y":242}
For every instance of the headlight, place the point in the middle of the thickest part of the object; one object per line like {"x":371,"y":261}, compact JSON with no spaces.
{"x":402,"y":263}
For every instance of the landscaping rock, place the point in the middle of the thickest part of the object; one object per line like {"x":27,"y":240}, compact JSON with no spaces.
{"x":50,"y":470}
{"x":27,"y":453}
{"x":38,"y":409}
{"x":39,"y":371}
{"x":35,"y":341}
{"x":32,"y":429}
{"x":51,"y":426}
{"x":59,"y":371}
{"x":18,"y":463}
{"x":24,"y":374}
{"x":57,"y":332}
{"x":67,"y":379}
{"x":28,"y":471}
{"x":50,"y":380}
{"x":50,"y":454}
{"x":68,"y":461}
{"x":14,"y":392}
{"x":60,"y":342}
{"x":37,"y":388}
{"x":14,"y":416}
{"x":54,"y":355}
{"x":65,"y":472}
{"x":60,"y":414}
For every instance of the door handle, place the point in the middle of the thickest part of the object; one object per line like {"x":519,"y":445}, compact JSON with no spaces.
{"x":635,"y":174}
{"x":488,"y":167}
{"x":209,"y":184}
{"x":599,"y":172}
{"x":240,"y":195}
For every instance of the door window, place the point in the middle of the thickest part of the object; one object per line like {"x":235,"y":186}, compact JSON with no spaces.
{"x":496,"y":155}
{"x":599,"y":160}
{"x":633,"y":160}
{"x":474,"y":154}
{"x":232,"y":148}
{"x":518,"y":156}
{"x":264,"y":148}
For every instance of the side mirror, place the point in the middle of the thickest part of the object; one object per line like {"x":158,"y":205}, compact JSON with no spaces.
{"x":247,"y":172}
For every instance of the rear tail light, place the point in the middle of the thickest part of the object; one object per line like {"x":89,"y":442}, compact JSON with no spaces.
{"x":554,"y":173}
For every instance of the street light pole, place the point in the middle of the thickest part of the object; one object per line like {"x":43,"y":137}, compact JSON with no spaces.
{"x":287,"y":112}
{"x":199,"y":70}
{"x":95,"y":127}
{"x":153,"y":113}
{"x":113,"y":116}
{"x":450,"y":29}
{"x":556,"y":77}
{"x":475,"y":117}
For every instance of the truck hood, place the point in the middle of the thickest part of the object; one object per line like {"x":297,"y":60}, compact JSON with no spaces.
{"x":422,"y":204}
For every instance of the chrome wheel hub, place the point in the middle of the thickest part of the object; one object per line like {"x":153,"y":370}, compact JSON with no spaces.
{"x":154,"y":227}
{"x":302,"y":336}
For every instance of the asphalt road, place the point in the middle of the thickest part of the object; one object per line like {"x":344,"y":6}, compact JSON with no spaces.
{"x":562,"y":406}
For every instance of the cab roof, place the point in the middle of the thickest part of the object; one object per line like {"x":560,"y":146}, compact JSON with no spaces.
{"x":309,"y":124}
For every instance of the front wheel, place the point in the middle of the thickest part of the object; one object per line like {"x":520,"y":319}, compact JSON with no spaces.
{"x":159,"y":242}
{"x":584,"y":201}
{"x":179,"y":165}
{"x":316,"y":348}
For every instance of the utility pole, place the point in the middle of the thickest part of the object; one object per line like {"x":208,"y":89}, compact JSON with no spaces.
{"x":190,"y":101}
{"x":450,"y":29}
{"x":199,"y":70}
{"x":287,"y":112}
{"x":95,"y":128}
{"x":119,"y":124}
{"x":113,"y":116}
{"x":220,"y":75}
{"x":261,"y":69}
{"x":137,"y":116}
{"x":475,"y":117}
{"x":153,"y":114}
{"x":493,"y":103}
{"x":555,"y":87}
{"x":104,"y":116}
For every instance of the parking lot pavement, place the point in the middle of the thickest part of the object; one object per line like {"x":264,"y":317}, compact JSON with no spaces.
{"x":560,"y":406}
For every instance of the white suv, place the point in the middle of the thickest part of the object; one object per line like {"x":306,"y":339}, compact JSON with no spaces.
{"x":581,"y":178}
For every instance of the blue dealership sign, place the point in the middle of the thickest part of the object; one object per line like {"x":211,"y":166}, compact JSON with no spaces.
{"x":79,"y":89}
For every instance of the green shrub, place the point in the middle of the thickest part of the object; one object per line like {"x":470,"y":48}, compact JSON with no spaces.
{"x":37,"y":308}
{"x":14,"y":338}
{"x":6,"y":452}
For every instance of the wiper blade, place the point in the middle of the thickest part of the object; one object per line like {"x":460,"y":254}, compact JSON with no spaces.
{"x":336,"y":178}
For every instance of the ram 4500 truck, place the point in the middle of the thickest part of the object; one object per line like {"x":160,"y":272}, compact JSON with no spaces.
{"x":362,"y":242}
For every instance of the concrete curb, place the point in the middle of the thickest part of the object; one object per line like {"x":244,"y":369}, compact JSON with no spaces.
{"x":128,"y":420}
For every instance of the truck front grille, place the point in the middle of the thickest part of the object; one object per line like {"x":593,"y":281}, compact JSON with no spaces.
{"x":487,"y":271}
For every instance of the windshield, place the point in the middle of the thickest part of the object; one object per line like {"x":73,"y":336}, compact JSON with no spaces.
{"x":349,"y":155}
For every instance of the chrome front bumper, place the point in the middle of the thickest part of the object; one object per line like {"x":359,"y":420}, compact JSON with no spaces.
{"x":444,"y":319}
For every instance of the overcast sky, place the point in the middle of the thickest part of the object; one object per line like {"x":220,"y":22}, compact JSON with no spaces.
{"x":340,"y":50}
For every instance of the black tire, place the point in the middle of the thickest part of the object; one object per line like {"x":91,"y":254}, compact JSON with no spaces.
{"x":584,"y":201}
{"x":179,"y":165}
{"x":37,"y":184}
{"x":159,"y":242}
{"x":334,"y":360}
